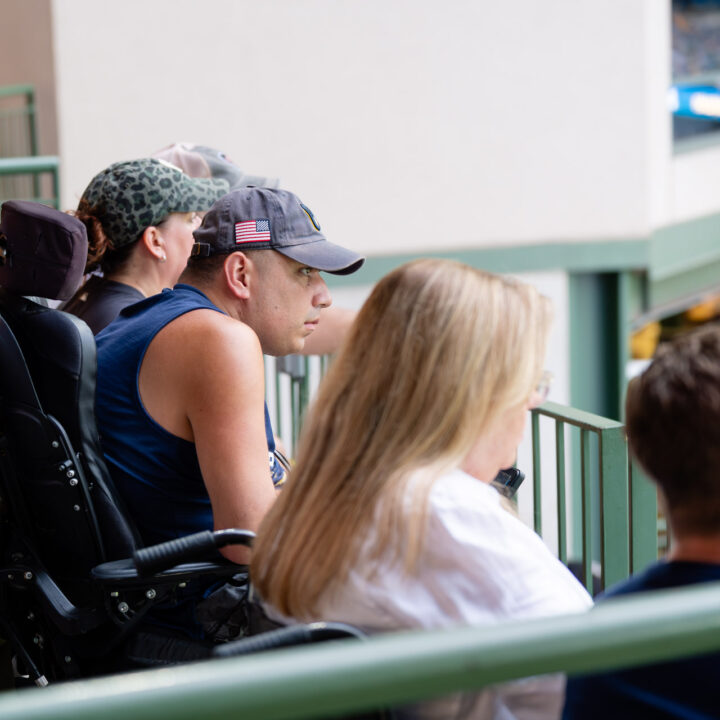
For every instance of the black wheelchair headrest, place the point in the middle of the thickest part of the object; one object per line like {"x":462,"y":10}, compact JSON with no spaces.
{"x":42,"y":251}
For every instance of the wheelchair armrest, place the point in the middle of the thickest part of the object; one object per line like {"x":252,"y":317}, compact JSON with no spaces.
{"x":184,"y":559}
{"x":122,"y":574}
{"x":200,"y":546}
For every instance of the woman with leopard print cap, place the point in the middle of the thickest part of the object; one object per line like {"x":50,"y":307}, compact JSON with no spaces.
{"x":139,"y":216}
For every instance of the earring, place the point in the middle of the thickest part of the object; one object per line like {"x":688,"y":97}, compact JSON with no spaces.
{"x":163,"y":258}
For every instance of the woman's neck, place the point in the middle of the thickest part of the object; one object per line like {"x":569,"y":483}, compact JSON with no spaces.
{"x":146,"y":286}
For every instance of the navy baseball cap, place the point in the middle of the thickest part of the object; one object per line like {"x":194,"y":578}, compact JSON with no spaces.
{"x":258,"y":218}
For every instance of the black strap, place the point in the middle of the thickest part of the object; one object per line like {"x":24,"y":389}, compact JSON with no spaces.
{"x":148,"y":650}
{"x":200,"y":250}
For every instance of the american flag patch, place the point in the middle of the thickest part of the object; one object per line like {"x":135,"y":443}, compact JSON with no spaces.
{"x":252,"y":231}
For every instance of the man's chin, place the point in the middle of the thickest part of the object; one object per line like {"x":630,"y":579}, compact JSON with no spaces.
{"x":293,"y":349}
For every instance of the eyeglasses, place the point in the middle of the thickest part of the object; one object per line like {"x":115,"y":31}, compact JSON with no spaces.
{"x":542,"y":389}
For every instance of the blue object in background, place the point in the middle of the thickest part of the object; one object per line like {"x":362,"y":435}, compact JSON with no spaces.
{"x":696,"y":101}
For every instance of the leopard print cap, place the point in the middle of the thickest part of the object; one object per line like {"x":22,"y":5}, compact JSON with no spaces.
{"x":128,"y":197}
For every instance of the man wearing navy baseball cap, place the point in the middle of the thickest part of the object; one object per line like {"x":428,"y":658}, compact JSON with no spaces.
{"x":201,"y":161}
{"x":180,"y":392}
{"x":270,"y":219}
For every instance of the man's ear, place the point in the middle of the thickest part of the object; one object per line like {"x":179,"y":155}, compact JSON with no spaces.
{"x":238,"y":270}
{"x":154,"y":243}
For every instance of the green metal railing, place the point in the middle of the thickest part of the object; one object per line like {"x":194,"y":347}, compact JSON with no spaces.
{"x":291,"y":382}
{"x":23,"y":174}
{"x":614,"y":508}
{"x":33,"y":169}
{"x":389,"y":670}
{"x":18,"y":134}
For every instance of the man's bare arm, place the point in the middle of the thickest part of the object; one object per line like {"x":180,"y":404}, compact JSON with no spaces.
{"x":212,"y":387}
{"x":330,"y":332}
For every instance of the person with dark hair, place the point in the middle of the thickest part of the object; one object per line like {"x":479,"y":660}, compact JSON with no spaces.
{"x":673,"y":427}
{"x":139,"y":216}
{"x":180,"y":382}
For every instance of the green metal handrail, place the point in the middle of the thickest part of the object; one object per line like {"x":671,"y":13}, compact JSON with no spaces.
{"x":625,"y":516}
{"x":27,"y":110}
{"x":353,"y":675}
{"x":34,"y":167}
{"x":624,"y":519}
{"x":18,"y":136}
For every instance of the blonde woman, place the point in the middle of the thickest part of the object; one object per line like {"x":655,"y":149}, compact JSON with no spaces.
{"x":389,"y":520}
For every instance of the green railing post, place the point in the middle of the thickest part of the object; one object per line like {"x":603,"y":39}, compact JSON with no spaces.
{"x":537,"y":475}
{"x":560,"y":476}
{"x":587,"y":514}
{"x":279,"y":425}
{"x":614,"y":521}
{"x":30,"y":108}
{"x":56,"y":187}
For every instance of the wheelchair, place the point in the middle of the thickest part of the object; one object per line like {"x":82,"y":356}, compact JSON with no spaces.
{"x":75,"y":581}
{"x":76,"y":584}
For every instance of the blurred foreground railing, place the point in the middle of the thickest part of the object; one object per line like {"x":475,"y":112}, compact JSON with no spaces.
{"x":352,"y":675}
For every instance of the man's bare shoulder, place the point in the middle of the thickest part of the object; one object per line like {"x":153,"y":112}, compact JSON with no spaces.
{"x":201,"y":350}
{"x":203,"y":364}
{"x":205,"y":331}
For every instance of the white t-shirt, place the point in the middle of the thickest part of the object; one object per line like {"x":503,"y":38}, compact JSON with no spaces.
{"x":480,"y":565}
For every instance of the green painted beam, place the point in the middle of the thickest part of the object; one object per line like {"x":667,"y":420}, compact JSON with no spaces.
{"x":684,"y":246}
{"x":594,"y":334}
{"x":8,"y":90}
{"x":35,"y":164}
{"x":581,"y":256}
{"x":351,"y":675}
{"x":687,"y":247}
{"x":684,"y":288}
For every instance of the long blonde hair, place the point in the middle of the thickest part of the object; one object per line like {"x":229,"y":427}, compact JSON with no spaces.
{"x":438,"y":351}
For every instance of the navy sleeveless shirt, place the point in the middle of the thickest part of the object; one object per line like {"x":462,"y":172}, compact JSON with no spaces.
{"x":156,"y":473}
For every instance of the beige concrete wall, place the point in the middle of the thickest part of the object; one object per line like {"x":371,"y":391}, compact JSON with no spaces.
{"x":407,"y":125}
{"x":26,"y":56}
